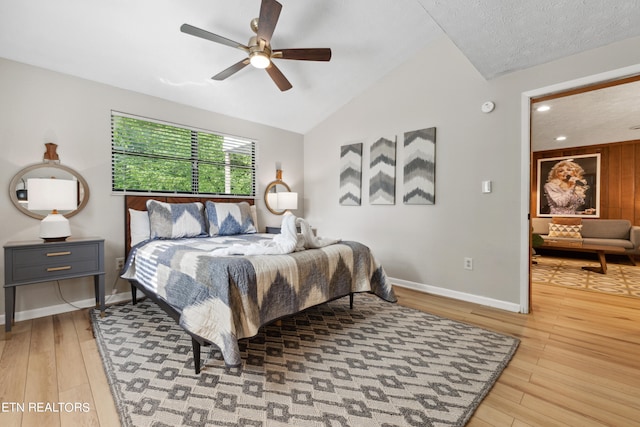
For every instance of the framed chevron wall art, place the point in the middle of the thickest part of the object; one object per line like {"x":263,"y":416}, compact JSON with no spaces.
{"x":351,"y":174}
{"x":382,"y":172}
{"x":420,"y":167}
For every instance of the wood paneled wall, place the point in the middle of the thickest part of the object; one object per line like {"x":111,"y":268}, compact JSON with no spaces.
{"x":619,"y":177}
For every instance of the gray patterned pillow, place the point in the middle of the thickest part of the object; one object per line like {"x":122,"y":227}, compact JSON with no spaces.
{"x":227,"y":219}
{"x":176,"y":220}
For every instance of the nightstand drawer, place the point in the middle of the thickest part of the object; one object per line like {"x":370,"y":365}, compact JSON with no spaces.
{"x":54,"y":261}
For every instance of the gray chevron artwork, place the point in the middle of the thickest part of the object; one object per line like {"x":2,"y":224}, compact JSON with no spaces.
{"x":382,"y":172}
{"x":420,"y":167}
{"x":351,"y":174}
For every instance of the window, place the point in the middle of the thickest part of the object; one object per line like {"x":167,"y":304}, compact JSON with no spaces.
{"x":159,"y":157}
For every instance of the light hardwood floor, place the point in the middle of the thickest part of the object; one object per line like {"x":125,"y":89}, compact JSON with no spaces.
{"x":578,"y":363}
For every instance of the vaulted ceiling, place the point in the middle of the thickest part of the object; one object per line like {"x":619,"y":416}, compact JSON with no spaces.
{"x":137,"y":45}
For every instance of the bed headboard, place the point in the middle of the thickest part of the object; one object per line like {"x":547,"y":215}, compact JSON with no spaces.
{"x":140,"y":203}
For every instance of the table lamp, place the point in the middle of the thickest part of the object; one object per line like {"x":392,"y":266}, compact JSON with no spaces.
{"x":51,"y":194}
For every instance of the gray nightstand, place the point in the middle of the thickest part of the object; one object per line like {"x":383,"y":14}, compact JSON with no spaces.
{"x":31,"y":262}
{"x":276,"y":230}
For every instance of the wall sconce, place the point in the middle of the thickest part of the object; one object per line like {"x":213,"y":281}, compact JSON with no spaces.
{"x":50,"y":194}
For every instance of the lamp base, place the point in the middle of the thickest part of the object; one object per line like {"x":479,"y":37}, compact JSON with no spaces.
{"x":55,"y":228}
{"x":55,"y":239}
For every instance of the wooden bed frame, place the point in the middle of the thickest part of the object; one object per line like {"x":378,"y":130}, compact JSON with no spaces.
{"x":140,"y":203}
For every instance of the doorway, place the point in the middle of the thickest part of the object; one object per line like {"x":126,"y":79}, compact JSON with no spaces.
{"x":583,"y":85}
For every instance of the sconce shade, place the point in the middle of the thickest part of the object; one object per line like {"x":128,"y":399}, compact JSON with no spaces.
{"x":50,"y":194}
{"x":287,"y":200}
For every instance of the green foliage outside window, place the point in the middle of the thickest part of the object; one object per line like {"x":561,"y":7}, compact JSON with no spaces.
{"x":159,"y":157}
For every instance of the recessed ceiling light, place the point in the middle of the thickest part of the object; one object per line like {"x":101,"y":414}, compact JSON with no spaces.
{"x":543,"y":108}
{"x":561,"y":138}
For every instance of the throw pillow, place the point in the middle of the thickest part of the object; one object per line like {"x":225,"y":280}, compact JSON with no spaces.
{"x":227,"y":219}
{"x":566,"y":220}
{"x":176,"y":220}
{"x":561,"y":230}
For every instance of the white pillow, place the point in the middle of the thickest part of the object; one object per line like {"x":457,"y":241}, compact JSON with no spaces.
{"x":254,"y":216}
{"x":139,"y":228}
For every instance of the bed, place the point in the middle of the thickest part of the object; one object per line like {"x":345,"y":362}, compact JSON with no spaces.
{"x":219,"y":299}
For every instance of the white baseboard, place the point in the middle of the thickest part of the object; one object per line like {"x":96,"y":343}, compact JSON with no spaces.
{"x":490,"y":302}
{"x":65,"y":308}
{"x":126,"y":296}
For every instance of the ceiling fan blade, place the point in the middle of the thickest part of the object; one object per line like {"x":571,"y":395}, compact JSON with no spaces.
{"x":269,"y":14}
{"x":195,"y":31}
{"x":279,"y":79}
{"x":319,"y":54}
{"x":231,"y":70}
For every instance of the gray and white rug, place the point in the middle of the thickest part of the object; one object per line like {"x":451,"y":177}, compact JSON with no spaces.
{"x":379,"y":364}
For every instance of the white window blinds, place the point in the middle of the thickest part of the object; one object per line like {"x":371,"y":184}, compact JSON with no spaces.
{"x":159,"y":157}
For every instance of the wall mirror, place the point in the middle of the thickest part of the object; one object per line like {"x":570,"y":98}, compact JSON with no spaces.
{"x":19,"y":192}
{"x":270,"y":196}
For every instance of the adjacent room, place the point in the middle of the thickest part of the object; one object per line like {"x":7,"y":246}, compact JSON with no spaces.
{"x":589,"y":127}
{"x":320,"y":213}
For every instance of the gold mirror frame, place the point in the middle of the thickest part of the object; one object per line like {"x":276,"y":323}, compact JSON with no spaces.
{"x":272,"y":188}
{"x":83,"y":192}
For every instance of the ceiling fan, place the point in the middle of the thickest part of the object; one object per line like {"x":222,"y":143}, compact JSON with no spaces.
{"x":260,"y":53}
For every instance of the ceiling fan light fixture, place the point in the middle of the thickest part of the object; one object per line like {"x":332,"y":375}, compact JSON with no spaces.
{"x":259,"y":59}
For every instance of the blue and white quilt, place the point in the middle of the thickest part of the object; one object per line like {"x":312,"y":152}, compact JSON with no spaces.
{"x":226,"y":298}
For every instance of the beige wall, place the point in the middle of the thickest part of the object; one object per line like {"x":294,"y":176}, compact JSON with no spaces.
{"x":424,"y":246}
{"x":37,"y":106}
{"x":418,"y":245}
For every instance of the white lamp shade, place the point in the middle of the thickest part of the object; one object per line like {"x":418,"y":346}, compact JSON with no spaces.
{"x":287,"y":200}
{"x":47,"y":194}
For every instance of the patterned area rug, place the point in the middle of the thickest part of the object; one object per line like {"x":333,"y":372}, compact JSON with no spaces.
{"x":379,"y":364}
{"x":621,"y":278}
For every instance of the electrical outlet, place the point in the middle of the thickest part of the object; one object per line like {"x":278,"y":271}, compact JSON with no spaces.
{"x":119,"y":264}
{"x":468,"y":263}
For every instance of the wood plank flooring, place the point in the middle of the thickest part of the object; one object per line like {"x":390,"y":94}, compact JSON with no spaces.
{"x":578,"y":363}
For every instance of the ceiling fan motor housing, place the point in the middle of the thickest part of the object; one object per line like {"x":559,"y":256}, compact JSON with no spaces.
{"x":259,"y":53}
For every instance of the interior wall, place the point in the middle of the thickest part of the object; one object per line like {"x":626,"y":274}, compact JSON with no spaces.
{"x":38,"y":106}
{"x":424,"y":246}
{"x":619,"y":177}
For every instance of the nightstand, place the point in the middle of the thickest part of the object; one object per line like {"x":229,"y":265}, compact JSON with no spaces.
{"x":30,"y":262}
{"x":276,"y":230}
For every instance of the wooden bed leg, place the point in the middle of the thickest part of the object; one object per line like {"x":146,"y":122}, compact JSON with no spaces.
{"x":196,"y":354}
{"x":351,"y":300}
{"x":134,"y":296}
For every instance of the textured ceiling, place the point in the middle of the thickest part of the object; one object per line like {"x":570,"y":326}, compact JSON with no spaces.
{"x":503,"y":36}
{"x":137,"y":45}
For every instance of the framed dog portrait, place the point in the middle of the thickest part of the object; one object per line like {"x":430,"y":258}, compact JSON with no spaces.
{"x":569,"y":186}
